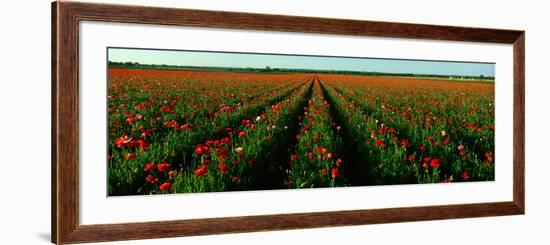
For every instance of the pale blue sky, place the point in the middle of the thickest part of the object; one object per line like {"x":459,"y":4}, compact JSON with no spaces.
{"x":243,"y":60}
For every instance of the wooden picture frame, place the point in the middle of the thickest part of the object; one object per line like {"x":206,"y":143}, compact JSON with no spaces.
{"x":65,"y":120}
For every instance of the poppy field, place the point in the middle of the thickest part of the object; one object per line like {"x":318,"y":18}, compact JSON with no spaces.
{"x":199,"y":131}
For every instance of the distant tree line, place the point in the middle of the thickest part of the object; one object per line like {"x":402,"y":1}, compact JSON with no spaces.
{"x":268,"y":69}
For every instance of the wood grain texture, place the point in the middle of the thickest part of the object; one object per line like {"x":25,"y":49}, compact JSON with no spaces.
{"x":519,"y":122}
{"x":163,"y":229}
{"x":233,"y":20}
{"x":65,"y":221}
{"x":65,"y":123}
{"x":54,"y":123}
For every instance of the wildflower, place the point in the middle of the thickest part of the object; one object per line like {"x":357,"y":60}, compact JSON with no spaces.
{"x":222,"y":153}
{"x":405,"y":143}
{"x":143,"y":146}
{"x":202,"y":150}
{"x":163,"y":167}
{"x":489,"y":158}
{"x":122,"y":141}
{"x":202,"y":171}
{"x":425,"y":162}
{"x":165,"y":187}
{"x":149,"y":166}
{"x":380,"y":143}
{"x":338,"y":162}
{"x":335,"y":173}
{"x":151,"y":179}
{"x":173,"y":174}
{"x":465,"y":176}
{"x":223,"y":168}
{"x":130,"y":156}
{"x":436,"y":162}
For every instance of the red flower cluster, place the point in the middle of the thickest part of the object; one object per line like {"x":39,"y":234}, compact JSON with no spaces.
{"x":380,"y":143}
{"x":223,"y":168}
{"x":202,"y":150}
{"x":201,"y":171}
{"x":335,"y":173}
{"x":125,"y":141}
{"x":165,"y":187}
{"x":433,"y":162}
{"x":488,"y":158}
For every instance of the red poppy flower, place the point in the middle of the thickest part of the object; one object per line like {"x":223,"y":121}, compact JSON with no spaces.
{"x":149,"y":166}
{"x":311,"y":155}
{"x":242,"y":134}
{"x":144,"y":134}
{"x":165,"y":187}
{"x":165,"y":109}
{"x":130,"y":156}
{"x":122,"y":141}
{"x":151,"y":179}
{"x":202,"y":171}
{"x":446,"y":141}
{"x":225,"y":140}
{"x":163,"y":167}
{"x":489,"y":158}
{"x":335,"y":173}
{"x":131,"y":120}
{"x":405,"y":143}
{"x":380,"y":143}
{"x":465,"y":175}
{"x":202,"y":150}
{"x":172,"y":124}
{"x":411,"y":157}
{"x":298,"y":136}
{"x":325,"y":171}
{"x":338,"y":162}
{"x":222,"y":153}
{"x":436,"y":162}
{"x":223,"y":168}
{"x":143,"y":146}
{"x":173,"y":174}
{"x":425,"y":162}
{"x":422,"y":148}
{"x":329,"y":156}
{"x":295,"y":157}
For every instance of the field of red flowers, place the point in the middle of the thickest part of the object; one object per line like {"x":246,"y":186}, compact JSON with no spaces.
{"x":192,"y":131}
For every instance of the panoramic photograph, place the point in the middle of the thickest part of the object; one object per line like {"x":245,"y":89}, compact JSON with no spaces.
{"x":204,"y":121}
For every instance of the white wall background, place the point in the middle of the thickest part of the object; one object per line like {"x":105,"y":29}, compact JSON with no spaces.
{"x":25,"y":121}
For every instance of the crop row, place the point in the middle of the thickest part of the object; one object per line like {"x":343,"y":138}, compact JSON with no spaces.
{"x":175,"y":132}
